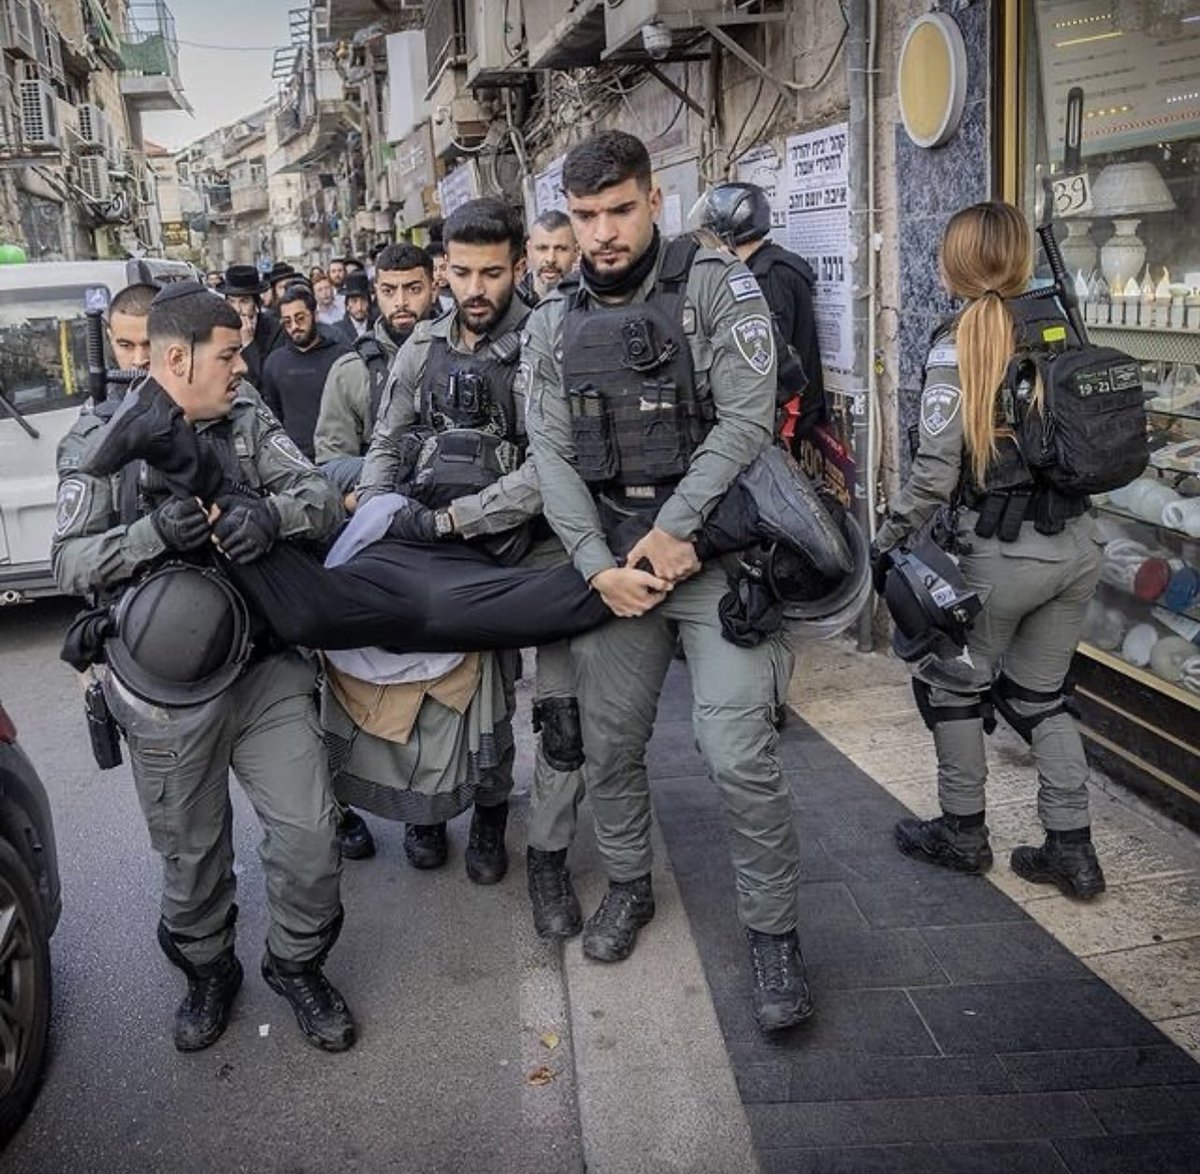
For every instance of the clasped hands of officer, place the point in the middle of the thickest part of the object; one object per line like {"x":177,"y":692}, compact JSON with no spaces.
{"x":242,"y":529}
{"x":633,"y":591}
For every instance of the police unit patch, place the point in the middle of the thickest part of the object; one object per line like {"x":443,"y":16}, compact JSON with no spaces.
{"x":285,"y":446}
{"x":744,"y":286}
{"x":72,"y":494}
{"x":939,"y":405}
{"x":756,"y":341}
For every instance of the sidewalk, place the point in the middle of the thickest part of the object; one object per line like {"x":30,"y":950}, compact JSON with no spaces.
{"x":953,"y":1032}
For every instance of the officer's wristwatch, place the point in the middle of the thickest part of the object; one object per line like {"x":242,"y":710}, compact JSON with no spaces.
{"x":443,"y":523}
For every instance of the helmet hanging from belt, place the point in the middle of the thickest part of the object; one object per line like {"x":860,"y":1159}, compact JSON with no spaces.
{"x":931,"y":604}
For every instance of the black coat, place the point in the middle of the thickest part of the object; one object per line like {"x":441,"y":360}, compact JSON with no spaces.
{"x":293,"y":383}
{"x":787,"y":284}
{"x":268,"y":338}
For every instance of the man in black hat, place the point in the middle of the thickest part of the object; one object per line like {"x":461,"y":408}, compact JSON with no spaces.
{"x":358,"y":318}
{"x":261,"y":333}
{"x":280,"y":276}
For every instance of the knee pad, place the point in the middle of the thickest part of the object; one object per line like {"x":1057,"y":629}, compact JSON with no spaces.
{"x":1005,"y":691}
{"x":979,"y":707}
{"x":557,"y":720}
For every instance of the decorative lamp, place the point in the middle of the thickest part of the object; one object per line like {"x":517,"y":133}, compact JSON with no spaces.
{"x":1126,"y":192}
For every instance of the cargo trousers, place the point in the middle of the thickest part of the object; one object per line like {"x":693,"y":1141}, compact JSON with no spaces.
{"x":1035,"y":593}
{"x":620,"y":669}
{"x":264,"y":727}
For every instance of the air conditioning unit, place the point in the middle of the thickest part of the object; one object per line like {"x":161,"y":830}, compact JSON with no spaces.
{"x":93,"y":126}
{"x":16,"y":28}
{"x":39,"y":115}
{"x":623,"y":22}
{"x":94,"y":178}
{"x":495,"y":44}
{"x":561,"y":39}
{"x":459,"y":119}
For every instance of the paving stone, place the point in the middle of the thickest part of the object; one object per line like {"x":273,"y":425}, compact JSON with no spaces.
{"x":1086,"y":1068}
{"x":1019,"y":951}
{"x":764,"y":1082}
{"x":1035,"y":1157}
{"x":1031,"y":1017}
{"x":1132,"y":1154}
{"x":840,"y":1076}
{"x":1165,"y":979}
{"x":1171,"y":1109}
{"x":932,"y":896}
{"x":1185,"y":1031}
{"x":1003,"y":1117}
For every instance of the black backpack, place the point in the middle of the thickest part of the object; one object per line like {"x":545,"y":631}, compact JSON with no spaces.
{"x":1089,"y":433}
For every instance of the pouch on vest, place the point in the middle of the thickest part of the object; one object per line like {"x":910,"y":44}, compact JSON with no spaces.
{"x":459,"y":462}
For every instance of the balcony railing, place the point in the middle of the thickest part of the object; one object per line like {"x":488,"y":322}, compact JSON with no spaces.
{"x":149,"y":46}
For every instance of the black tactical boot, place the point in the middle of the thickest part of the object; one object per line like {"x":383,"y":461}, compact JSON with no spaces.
{"x":1066,"y":859}
{"x":425,"y":844}
{"x":556,"y":912}
{"x":953,"y":841}
{"x":487,"y":857}
{"x":152,"y":429}
{"x":204,"y":1012}
{"x":781,"y":995}
{"x":611,"y":932}
{"x":321,"y":1012}
{"x":354,"y":836}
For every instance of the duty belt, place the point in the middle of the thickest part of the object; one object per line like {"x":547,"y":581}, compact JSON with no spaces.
{"x":1003,"y":512}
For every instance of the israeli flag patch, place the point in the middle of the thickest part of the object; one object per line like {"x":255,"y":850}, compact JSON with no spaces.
{"x":945,"y":354}
{"x":743,"y":286}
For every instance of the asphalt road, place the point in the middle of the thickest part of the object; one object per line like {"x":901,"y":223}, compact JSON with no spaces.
{"x":454,"y":995}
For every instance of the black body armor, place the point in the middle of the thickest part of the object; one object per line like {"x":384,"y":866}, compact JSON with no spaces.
{"x":475,"y":427}
{"x":636,"y":414}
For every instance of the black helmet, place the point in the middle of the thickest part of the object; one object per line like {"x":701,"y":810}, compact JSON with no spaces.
{"x":181,"y":636}
{"x":930,"y":602}
{"x":735,"y":212}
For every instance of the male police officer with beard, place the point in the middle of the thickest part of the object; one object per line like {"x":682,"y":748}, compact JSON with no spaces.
{"x":651,"y":386}
{"x":455,"y":377}
{"x":354,"y":389}
{"x":123,"y":535}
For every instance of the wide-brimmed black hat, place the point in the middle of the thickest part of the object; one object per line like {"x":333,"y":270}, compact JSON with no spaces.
{"x":358,"y":285}
{"x":241,"y":280}
{"x":279,"y":271}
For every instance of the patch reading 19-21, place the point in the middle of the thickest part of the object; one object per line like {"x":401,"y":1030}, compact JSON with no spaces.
{"x":756,"y":342}
{"x":939,"y":405}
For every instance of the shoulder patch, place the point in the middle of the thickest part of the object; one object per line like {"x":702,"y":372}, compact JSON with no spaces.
{"x":266,"y":417}
{"x":523,"y":379}
{"x":286,"y":448}
{"x":943,"y":354}
{"x":939,"y":406}
{"x":743,"y":286}
{"x":755,"y":340}
{"x":72,"y":495}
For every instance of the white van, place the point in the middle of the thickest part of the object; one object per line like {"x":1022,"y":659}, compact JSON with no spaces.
{"x":43,"y":384}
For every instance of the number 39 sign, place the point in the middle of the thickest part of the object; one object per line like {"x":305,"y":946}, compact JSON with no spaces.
{"x":1072,"y":194}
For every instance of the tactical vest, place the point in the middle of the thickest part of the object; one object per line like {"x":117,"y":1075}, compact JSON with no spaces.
{"x":792,"y":379}
{"x":636,"y":413}
{"x":368,"y":348}
{"x":477,"y":428}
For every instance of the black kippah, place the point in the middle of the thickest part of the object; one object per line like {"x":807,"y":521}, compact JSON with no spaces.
{"x":174,"y":290}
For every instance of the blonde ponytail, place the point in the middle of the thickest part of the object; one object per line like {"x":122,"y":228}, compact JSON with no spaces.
{"x":986,"y":256}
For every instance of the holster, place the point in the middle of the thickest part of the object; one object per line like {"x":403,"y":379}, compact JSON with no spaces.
{"x":102,"y":727}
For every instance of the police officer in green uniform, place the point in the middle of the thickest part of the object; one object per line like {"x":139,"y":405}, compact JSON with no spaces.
{"x":652,"y":385}
{"x":1028,"y":551}
{"x":452,"y":431}
{"x":354,"y":388}
{"x":119,"y":521}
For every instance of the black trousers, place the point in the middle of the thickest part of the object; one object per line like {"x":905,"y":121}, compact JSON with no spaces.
{"x":410,"y":597}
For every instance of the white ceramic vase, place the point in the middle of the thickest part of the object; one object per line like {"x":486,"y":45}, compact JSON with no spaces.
{"x":1123,"y":254}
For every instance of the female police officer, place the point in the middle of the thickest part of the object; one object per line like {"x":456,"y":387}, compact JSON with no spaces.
{"x":1028,"y":552}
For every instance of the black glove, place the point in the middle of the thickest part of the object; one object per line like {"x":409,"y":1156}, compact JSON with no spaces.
{"x":414,"y":522}
{"x":182,"y":523}
{"x":247,"y":528}
{"x":881,"y":563}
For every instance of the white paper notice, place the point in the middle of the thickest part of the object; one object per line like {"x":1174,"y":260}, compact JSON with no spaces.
{"x":672,"y":215}
{"x":818,"y":228}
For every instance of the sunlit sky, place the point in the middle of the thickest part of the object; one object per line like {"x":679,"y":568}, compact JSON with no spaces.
{"x":226,"y":82}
